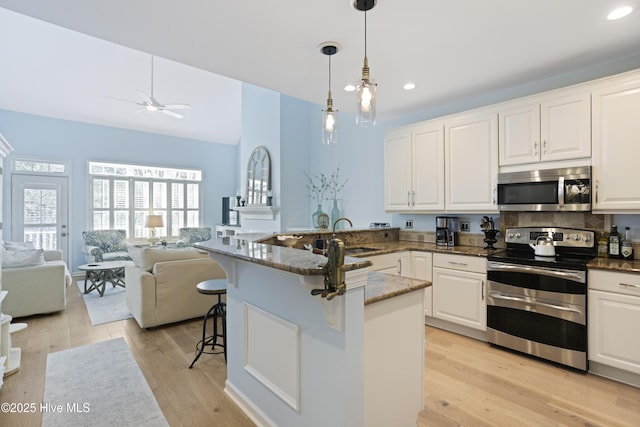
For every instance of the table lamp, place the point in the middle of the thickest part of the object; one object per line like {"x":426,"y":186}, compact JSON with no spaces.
{"x":153,"y":221}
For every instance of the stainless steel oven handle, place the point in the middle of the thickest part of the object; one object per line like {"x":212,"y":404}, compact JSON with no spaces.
{"x":498,"y":295}
{"x":576,"y":276}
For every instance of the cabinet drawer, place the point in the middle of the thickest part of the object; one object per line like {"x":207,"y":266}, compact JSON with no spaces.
{"x":460,"y":262}
{"x":398,"y":263}
{"x":621,"y":283}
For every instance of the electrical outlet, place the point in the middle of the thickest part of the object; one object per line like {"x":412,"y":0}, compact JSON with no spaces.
{"x":465,"y":226}
{"x":408,"y":223}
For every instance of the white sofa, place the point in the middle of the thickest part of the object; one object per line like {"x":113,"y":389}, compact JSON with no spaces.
{"x":36,"y":289}
{"x":161,"y":286}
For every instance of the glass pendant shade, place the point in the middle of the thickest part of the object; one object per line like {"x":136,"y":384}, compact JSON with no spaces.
{"x":366,"y":104}
{"x":366,"y":93}
{"x":329,"y":128}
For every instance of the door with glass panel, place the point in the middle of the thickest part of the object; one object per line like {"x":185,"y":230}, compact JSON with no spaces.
{"x":40,"y":211}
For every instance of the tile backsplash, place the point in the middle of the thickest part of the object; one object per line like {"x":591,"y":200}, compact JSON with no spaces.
{"x":580,"y":220}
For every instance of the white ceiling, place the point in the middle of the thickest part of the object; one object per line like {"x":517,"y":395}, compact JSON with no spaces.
{"x":451,"y":49}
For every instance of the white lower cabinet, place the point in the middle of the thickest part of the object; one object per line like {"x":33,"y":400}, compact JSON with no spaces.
{"x":459,"y":290}
{"x":414,"y":264}
{"x":422,"y":268}
{"x":614,"y":316}
{"x":398,"y":263}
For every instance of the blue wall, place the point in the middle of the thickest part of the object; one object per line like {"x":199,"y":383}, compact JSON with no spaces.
{"x":289,"y":127}
{"x":46,"y":138}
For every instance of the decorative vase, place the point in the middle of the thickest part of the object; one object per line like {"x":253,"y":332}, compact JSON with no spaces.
{"x":319,"y":219}
{"x":490,"y":238}
{"x":335,"y":213}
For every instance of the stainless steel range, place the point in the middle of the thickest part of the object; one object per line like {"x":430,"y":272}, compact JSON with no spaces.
{"x":538,"y":304}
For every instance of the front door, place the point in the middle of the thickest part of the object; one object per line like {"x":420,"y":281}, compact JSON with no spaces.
{"x":39,"y":211}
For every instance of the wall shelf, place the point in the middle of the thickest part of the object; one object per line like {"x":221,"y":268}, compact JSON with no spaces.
{"x":258,"y":212}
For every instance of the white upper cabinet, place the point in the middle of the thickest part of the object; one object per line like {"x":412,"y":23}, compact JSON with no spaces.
{"x":547,"y":128}
{"x":471,"y":162}
{"x":397,"y":170}
{"x":414,"y":168}
{"x":519,"y":134}
{"x":616,"y":145}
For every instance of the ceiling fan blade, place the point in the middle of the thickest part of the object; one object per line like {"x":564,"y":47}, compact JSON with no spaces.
{"x":170,"y":113}
{"x":122,"y":99}
{"x":178,"y":106}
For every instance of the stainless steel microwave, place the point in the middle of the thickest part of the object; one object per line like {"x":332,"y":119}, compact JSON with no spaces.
{"x":547,"y":190}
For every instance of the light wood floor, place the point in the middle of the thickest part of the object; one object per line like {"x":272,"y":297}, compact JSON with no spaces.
{"x":467,"y":382}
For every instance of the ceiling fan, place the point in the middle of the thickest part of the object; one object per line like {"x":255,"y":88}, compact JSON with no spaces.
{"x":150,"y":103}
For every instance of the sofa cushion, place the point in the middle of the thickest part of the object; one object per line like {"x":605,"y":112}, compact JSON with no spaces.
{"x":106,"y":240}
{"x":116,"y":256}
{"x":18,"y":246}
{"x":149,"y":256}
{"x":22,"y":258}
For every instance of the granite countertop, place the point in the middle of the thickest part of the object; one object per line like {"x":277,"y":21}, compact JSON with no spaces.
{"x":619,"y":265}
{"x":380,"y":248}
{"x":382,"y":286}
{"x":298,"y":261}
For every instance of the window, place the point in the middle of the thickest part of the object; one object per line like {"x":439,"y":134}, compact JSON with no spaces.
{"x":122,"y":195}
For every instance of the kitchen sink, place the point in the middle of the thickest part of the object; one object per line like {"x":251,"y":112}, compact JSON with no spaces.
{"x":357,"y":250}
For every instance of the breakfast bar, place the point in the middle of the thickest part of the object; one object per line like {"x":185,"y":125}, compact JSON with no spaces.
{"x":294,"y":358}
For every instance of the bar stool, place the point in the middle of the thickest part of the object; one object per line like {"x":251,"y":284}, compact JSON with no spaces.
{"x":213,"y":287}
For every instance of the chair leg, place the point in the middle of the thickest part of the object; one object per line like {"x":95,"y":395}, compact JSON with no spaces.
{"x":201,"y":344}
{"x":217,"y":311}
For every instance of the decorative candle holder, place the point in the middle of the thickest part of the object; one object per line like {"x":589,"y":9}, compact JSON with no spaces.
{"x":490,"y":238}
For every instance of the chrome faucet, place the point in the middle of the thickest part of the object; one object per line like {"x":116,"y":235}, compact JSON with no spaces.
{"x":344,"y":218}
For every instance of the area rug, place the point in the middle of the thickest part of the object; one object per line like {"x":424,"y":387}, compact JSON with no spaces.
{"x":109,"y":308}
{"x":98,"y":385}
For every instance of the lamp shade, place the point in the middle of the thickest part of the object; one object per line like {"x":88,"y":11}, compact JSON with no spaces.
{"x":153,"y":221}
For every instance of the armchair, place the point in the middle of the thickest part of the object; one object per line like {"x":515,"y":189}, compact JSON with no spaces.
{"x":105,"y":245}
{"x":190,"y":235}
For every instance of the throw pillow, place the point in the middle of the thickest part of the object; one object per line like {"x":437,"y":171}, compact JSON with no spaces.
{"x":18,"y":246}
{"x":22,"y":258}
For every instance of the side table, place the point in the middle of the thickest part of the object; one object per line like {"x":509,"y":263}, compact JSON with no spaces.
{"x":99,"y":273}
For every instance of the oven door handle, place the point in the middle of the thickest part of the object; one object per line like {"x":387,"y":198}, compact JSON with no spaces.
{"x":576,"y":276}
{"x":498,"y":295}
{"x":561,"y":190}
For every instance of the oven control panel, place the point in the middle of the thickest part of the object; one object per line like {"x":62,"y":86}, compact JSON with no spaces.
{"x":560,"y":236}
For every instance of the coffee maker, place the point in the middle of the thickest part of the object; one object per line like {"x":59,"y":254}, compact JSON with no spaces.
{"x":446,"y":230}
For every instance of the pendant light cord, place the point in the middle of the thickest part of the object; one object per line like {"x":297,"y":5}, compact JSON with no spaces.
{"x":329,"y":73}
{"x":365,"y":33}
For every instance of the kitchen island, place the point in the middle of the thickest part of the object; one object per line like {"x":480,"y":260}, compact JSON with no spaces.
{"x":298,"y":359}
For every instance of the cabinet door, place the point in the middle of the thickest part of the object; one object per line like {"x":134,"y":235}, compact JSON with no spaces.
{"x":519,"y":136}
{"x":566,"y":127}
{"x":613,"y":319}
{"x":397,"y":170}
{"x":397,"y":263}
{"x":422,"y":268}
{"x":616,"y":132}
{"x":471,"y":154}
{"x":459,"y":297}
{"x":428,"y":167}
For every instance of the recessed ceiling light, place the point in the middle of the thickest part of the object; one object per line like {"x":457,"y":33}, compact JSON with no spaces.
{"x":349,"y":88}
{"x":409,"y":86}
{"x":620,"y":12}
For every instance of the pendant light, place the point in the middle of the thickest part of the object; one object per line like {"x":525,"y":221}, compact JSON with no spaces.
{"x":329,"y":119}
{"x":366,"y":90}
